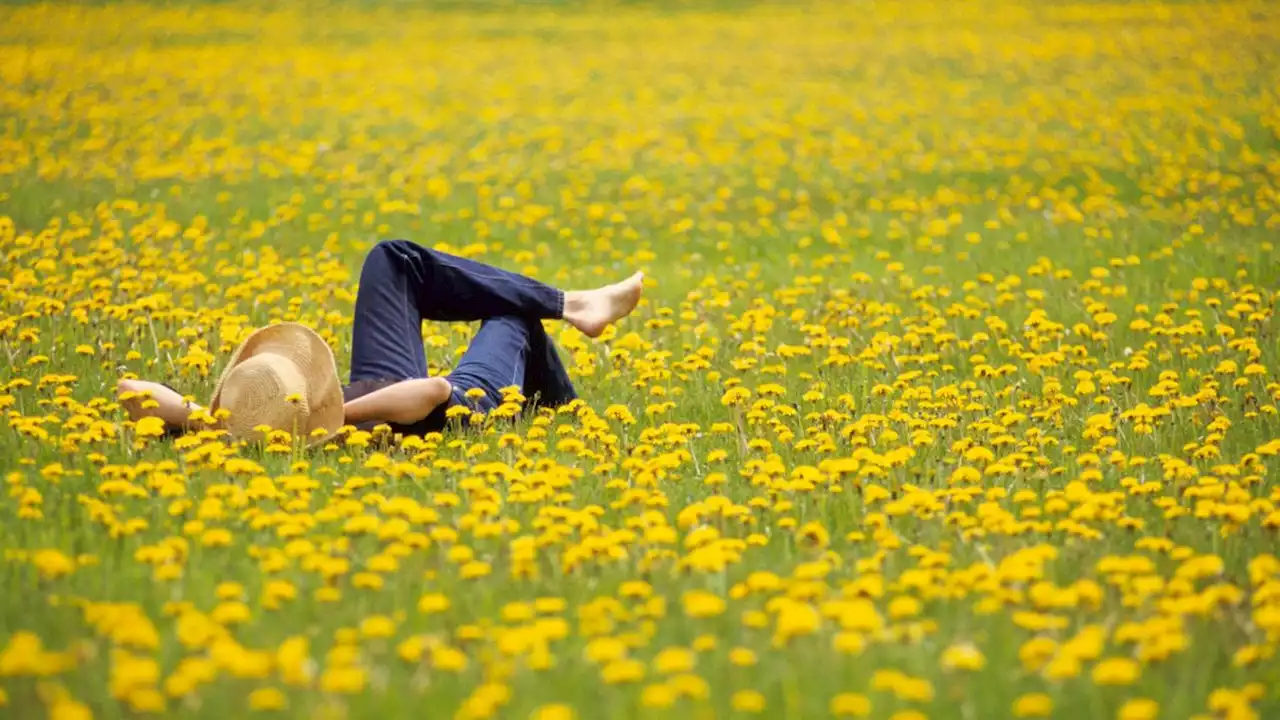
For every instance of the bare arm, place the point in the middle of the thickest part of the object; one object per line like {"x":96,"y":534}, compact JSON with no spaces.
{"x":408,"y":401}
{"x":141,"y":398}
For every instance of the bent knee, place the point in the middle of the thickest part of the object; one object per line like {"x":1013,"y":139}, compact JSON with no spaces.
{"x":396,"y":249}
{"x":384,"y":251}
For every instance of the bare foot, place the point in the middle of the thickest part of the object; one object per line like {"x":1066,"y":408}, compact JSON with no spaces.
{"x":591,"y":311}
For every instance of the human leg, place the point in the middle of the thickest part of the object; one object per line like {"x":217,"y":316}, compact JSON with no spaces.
{"x":448,"y":288}
{"x":403,"y":283}
{"x":508,"y":351}
{"x":546,"y":381}
{"x":386,"y":330}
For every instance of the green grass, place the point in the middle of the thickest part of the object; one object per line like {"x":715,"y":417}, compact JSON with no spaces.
{"x":788,"y":177}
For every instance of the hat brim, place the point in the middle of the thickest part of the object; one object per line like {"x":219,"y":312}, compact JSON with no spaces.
{"x":311,"y":353}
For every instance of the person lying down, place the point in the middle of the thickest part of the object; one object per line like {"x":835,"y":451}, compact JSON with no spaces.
{"x":284,"y":376}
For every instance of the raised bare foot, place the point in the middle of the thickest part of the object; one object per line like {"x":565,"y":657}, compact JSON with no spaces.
{"x":591,"y":311}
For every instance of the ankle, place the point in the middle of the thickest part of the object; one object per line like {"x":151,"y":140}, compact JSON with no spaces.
{"x":575,"y":302}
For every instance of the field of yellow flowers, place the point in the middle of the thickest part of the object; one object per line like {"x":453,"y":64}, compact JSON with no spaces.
{"x":953,"y":393}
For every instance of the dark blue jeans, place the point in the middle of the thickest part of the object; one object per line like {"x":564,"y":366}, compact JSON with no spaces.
{"x":403,"y":283}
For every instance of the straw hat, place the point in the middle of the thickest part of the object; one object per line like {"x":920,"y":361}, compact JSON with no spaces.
{"x":283,"y":376}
